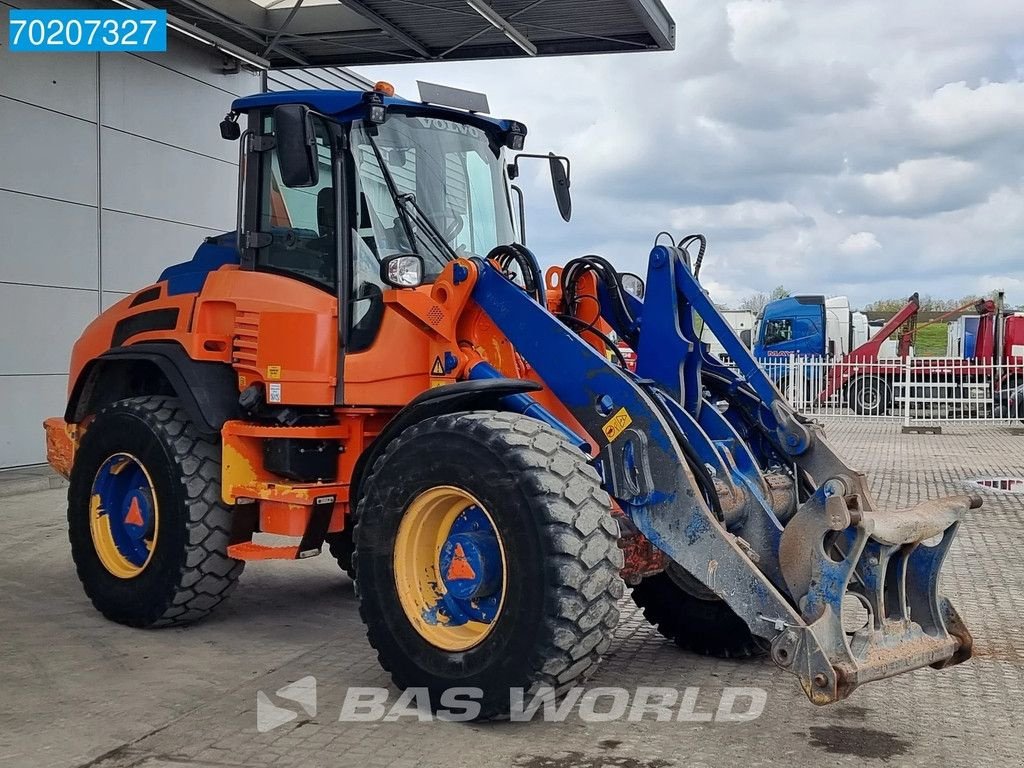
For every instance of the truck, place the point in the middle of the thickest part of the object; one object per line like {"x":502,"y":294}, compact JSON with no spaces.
{"x":742,"y":321}
{"x":372,"y":365}
{"x":813,"y":326}
{"x":976,"y":382}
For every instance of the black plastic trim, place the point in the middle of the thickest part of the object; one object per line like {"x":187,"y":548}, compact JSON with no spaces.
{"x":146,"y":296}
{"x":154,"y":320}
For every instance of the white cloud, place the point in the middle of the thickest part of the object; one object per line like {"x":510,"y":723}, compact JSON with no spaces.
{"x":925,"y":185}
{"x":860,"y":242}
{"x":956,"y":115}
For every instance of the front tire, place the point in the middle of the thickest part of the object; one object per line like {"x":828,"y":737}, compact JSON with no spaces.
{"x":526,"y":514}
{"x":148,"y":529}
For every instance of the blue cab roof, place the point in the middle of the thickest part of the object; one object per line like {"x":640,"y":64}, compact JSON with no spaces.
{"x":348,"y":105}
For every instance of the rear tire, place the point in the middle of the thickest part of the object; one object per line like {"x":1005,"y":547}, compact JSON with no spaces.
{"x":343,"y":549}
{"x":186,"y":572}
{"x":869,"y":396}
{"x":559,"y":558}
{"x":693,"y":618}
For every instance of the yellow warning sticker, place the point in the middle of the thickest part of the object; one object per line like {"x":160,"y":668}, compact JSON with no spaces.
{"x":437,"y":369}
{"x":273,"y":371}
{"x":435,"y":383}
{"x":242,"y":382}
{"x":617,"y":424}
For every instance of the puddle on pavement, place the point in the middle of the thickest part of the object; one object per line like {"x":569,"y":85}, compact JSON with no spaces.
{"x":999,"y":484}
{"x":858,"y":742}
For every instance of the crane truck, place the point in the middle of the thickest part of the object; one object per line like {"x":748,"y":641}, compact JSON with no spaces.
{"x":977,"y":381}
{"x":371,"y":364}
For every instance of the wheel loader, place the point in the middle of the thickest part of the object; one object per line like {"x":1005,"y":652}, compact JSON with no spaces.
{"x":372,"y":364}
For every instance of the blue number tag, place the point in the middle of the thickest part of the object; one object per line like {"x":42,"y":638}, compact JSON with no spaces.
{"x":87,"y":30}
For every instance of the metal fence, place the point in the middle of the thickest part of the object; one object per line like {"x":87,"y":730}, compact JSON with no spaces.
{"x":914,"y":390}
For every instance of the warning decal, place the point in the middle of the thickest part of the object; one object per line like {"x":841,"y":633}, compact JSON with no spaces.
{"x":437,"y":369}
{"x":617,"y":424}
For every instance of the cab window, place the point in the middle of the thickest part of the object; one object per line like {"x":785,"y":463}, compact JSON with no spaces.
{"x":778,"y":331}
{"x":300,"y":221}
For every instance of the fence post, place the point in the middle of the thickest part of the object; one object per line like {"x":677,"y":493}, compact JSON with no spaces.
{"x":791,"y":378}
{"x":906,"y":391}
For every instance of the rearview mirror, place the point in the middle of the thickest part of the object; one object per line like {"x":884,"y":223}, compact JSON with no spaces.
{"x":632,"y":284}
{"x":295,"y":144}
{"x":559,"y":165}
{"x":560,"y":182}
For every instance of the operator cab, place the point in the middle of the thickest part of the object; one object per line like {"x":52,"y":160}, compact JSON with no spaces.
{"x":355,"y":192}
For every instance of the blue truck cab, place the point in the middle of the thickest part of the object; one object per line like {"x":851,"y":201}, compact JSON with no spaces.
{"x":794,"y":325}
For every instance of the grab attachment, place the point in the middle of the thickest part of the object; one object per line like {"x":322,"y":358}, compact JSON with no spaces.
{"x":839,"y":561}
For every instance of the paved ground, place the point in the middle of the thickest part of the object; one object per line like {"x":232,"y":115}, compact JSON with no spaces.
{"x":75,"y":690}
{"x":16,"y":482}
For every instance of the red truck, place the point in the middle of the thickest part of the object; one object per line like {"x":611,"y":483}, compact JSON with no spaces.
{"x":979,"y":383}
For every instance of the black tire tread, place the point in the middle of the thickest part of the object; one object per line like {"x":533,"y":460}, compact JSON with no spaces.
{"x":585,"y":560}
{"x":343,"y":549}
{"x":706,"y":627}
{"x":207,"y":575}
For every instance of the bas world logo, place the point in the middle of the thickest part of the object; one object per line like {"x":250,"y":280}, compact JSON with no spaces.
{"x":590,"y":705}
{"x":270,"y":716}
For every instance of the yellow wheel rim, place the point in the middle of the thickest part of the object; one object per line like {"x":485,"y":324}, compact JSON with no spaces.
{"x":450,"y":568}
{"x":123,"y":516}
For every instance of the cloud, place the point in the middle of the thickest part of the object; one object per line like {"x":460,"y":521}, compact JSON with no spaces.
{"x":865,"y":148}
{"x":860,"y":242}
{"x":919,"y":187}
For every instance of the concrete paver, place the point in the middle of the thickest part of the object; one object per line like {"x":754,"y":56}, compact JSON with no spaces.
{"x":77,"y":690}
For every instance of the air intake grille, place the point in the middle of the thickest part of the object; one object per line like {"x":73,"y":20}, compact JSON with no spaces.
{"x":247,"y":331}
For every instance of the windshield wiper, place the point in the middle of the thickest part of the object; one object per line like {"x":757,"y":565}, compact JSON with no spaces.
{"x":443,"y":251}
{"x":423,"y":221}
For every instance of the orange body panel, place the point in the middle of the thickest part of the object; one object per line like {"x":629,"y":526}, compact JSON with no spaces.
{"x":273,"y":329}
{"x":98,"y":336}
{"x":284,"y":519}
{"x":60,"y":445}
{"x":244,"y":476}
{"x":284,"y":333}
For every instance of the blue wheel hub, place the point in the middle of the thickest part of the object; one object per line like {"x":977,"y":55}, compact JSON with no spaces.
{"x":126,"y":500}
{"x":471,"y":570}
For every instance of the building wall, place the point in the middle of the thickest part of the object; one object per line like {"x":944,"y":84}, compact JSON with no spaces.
{"x":112,"y":167}
{"x":317,"y":79}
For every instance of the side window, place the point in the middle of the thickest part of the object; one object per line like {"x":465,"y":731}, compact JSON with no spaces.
{"x":300,"y":221}
{"x":778,"y":331}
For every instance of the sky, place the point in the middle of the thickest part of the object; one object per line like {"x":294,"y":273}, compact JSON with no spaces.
{"x":866,"y":148}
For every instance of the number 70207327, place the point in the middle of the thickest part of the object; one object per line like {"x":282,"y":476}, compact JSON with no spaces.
{"x":93,"y":30}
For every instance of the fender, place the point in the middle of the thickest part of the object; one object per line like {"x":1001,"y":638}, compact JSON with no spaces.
{"x":207,"y":390}
{"x":475,"y":395}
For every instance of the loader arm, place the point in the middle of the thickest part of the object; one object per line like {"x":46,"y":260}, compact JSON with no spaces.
{"x":698,"y":483}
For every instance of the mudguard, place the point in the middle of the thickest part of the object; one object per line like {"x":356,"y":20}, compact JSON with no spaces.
{"x":207,"y":390}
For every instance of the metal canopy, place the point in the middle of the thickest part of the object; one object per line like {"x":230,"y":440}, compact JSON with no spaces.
{"x":280,"y":34}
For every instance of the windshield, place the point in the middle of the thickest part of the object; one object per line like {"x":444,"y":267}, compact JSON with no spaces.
{"x":450,"y":185}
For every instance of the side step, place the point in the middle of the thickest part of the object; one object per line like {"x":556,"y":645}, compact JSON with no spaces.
{"x":250,"y":550}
